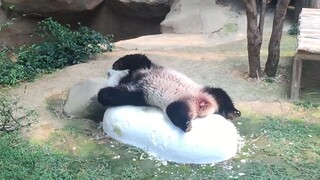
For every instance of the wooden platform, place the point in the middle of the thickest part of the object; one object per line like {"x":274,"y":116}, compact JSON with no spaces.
{"x":308,"y":45}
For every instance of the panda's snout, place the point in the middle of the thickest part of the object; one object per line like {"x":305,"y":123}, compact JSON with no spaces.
{"x":238,"y":113}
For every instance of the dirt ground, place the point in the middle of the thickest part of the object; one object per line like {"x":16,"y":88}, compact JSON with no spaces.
{"x":216,"y":59}
{"x":220,"y":65}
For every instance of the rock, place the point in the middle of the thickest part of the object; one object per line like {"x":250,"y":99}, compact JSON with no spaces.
{"x":141,"y":8}
{"x":212,"y":139}
{"x":194,"y":16}
{"x":82,"y":100}
{"x":169,"y":42}
{"x":106,"y":21}
{"x":45,"y":6}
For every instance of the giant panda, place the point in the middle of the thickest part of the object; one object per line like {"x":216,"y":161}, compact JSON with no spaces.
{"x":149,"y":84}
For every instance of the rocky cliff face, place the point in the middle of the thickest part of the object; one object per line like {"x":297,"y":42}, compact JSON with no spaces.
{"x":124,"y":18}
{"x":46,"y":6}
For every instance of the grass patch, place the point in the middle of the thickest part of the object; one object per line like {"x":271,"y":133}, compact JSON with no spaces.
{"x":20,"y":160}
{"x":307,"y":104}
{"x":274,"y":149}
{"x":289,"y":146}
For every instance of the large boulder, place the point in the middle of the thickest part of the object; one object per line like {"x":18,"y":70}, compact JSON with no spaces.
{"x":82,"y":100}
{"x":45,"y":6}
{"x":205,"y":16}
{"x":141,"y":8}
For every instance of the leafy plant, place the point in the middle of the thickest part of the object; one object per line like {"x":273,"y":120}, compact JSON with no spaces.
{"x":11,"y":73}
{"x":306,"y":104}
{"x":62,"y":47}
{"x":5,"y":25}
{"x":294,"y":29}
{"x":13,"y":116}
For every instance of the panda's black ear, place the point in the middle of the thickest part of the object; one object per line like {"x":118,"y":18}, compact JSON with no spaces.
{"x":224,"y":102}
{"x":132,"y":62}
{"x":219,"y":95}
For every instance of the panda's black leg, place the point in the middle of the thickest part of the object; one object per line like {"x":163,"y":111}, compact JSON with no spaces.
{"x":119,"y":96}
{"x":132,"y":62}
{"x":179,"y":114}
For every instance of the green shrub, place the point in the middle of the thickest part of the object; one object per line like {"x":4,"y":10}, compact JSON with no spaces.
{"x":13,"y":116}
{"x":62,"y":47}
{"x":294,"y":29}
{"x":11,"y":73}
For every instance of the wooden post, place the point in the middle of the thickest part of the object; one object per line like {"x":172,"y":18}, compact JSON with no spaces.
{"x":296,"y":78}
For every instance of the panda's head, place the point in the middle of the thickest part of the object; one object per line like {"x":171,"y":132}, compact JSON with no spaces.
{"x":224,"y":102}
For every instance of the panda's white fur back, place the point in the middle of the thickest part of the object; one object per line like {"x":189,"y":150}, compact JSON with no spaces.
{"x":163,"y":86}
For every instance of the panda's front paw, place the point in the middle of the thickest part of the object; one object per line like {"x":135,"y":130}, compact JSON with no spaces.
{"x":187,"y":127}
{"x":178,"y":113}
{"x":183,"y":123}
{"x":107,"y":96}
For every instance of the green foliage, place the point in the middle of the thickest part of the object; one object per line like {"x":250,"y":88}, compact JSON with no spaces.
{"x":19,"y":159}
{"x":62,"y":47}
{"x":290,"y":130}
{"x":269,"y":80}
{"x":11,"y":73}
{"x":306,"y":104}
{"x":5,"y":25}
{"x":14,"y":117}
{"x":294,"y":29}
{"x":293,"y":146}
{"x":11,"y":7}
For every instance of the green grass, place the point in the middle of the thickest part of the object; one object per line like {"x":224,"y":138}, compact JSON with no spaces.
{"x":274,"y":149}
{"x":21,"y":160}
{"x":287,"y":149}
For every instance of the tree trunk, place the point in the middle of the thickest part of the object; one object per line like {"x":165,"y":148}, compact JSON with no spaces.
{"x":297,"y":9}
{"x":274,"y":44}
{"x":254,"y":36}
